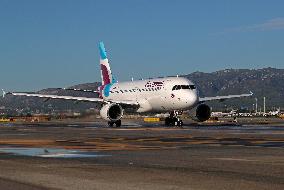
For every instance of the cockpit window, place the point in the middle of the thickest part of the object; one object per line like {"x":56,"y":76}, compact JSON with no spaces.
{"x":178,"y":87}
{"x":185,"y":87}
{"x":192,"y":87}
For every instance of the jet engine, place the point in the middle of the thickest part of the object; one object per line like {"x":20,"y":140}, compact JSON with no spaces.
{"x":111,"y":112}
{"x":203,"y":112}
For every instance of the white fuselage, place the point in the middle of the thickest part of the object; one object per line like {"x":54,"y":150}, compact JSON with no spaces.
{"x":160,"y":94}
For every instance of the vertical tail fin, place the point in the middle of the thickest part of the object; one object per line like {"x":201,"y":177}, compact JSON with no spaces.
{"x":105,"y":68}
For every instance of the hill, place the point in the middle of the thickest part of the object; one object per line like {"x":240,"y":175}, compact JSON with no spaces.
{"x":268,"y":82}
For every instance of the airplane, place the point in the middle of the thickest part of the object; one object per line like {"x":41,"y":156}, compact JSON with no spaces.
{"x":163,"y":95}
{"x":224,"y":114}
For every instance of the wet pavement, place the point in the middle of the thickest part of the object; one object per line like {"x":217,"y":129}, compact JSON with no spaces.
{"x":137,"y":156}
{"x":50,"y":152}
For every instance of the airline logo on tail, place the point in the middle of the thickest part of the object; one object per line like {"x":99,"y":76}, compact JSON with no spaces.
{"x":107,"y":78}
{"x":105,"y":68}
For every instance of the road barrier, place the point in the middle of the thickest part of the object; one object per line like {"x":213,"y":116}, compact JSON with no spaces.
{"x":152,"y":119}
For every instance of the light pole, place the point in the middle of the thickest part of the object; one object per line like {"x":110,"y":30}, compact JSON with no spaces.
{"x":255,"y":105}
{"x":264,"y":106}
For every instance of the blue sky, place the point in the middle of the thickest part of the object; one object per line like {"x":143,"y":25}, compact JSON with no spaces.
{"x":54,"y":43}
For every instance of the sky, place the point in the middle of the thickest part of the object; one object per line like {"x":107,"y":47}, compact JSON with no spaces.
{"x":54,"y":43}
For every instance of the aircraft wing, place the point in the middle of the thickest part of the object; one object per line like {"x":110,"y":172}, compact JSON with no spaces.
{"x":222,"y":98}
{"x":80,"y":90}
{"x":86,"y":99}
{"x":58,"y":97}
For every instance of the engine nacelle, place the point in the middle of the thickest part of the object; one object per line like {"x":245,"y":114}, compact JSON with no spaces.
{"x":111,"y":112}
{"x":203,"y":112}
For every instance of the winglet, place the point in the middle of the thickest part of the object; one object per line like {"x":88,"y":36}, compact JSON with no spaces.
{"x":3,"y":93}
{"x":251,"y":93}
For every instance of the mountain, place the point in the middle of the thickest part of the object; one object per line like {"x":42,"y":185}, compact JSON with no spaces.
{"x":268,"y":82}
{"x":16,"y":105}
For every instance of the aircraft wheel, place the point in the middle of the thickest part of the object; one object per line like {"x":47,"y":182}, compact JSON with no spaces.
{"x":168,"y":121}
{"x":180,"y":123}
{"x":118,"y":123}
{"x":110,"y":124}
{"x":175,"y":121}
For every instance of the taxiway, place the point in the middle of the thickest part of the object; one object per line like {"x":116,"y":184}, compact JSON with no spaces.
{"x":141,"y":156}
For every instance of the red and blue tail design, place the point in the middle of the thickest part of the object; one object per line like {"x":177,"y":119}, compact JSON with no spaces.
{"x":107,"y":78}
{"x":105,"y":68}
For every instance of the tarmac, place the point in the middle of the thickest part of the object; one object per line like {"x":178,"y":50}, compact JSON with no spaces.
{"x":89,"y":155}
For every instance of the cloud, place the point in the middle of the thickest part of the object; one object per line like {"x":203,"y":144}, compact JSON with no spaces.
{"x":272,"y":24}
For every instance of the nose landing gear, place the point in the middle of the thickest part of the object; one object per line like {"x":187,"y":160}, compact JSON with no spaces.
{"x":174,"y":120}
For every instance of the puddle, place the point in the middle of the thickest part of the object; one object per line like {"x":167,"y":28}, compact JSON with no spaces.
{"x":73,"y":125}
{"x":51,"y":153}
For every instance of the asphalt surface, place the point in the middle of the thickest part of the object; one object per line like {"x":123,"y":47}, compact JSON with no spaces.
{"x":143,"y":156}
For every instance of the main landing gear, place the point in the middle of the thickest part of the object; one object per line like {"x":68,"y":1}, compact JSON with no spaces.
{"x":174,"y":120}
{"x":116,"y":123}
